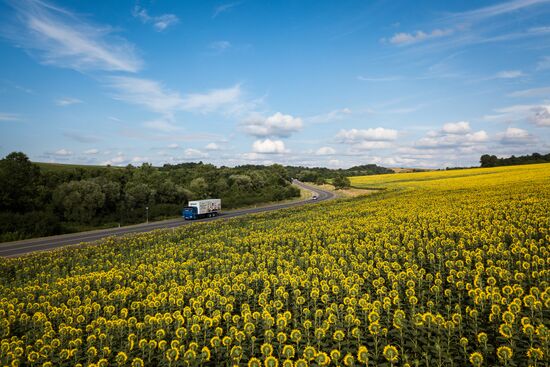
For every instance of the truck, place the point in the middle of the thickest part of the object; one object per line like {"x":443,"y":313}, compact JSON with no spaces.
{"x":202,"y":209}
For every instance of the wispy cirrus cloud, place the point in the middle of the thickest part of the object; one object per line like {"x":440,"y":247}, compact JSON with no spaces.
{"x":9,"y":117}
{"x":473,"y":26}
{"x":331,"y":116}
{"x":403,"y":38}
{"x":155,"y":97}
{"x":497,"y":10}
{"x":538,"y":114}
{"x":67,"y":101}
{"x":57,"y":36}
{"x":532,"y":92}
{"x":159,"y":22}
{"x":220,"y":46}
{"x":222,"y":8}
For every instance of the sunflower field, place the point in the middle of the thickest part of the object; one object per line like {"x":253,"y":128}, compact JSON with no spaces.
{"x":438,"y":269}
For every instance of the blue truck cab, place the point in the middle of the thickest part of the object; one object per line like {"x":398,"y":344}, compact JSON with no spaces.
{"x":189,"y":213}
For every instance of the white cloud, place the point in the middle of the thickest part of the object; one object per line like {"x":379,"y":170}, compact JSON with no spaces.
{"x":224,"y":8}
{"x":334,"y":115}
{"x":213,"y":100}
{"x":191,"y":153}
{"x":91,"y":151}
{"x":61,"y":38}
{"x":372,"y":134}
{"x":118,"y":160}
{"x":541,"y":116}
{"x":537,"y":114}
{"x":67,"y":101}
{"x":509,"y":74}
{"x":173,"y":146}
{"x":370,"y":145}
{"x":533,"y":92}
{"x":161,"y":124}
{"x":148,"y":93}
{"x":82,"y":137}
{"x":403,"y":38}
{"x":461,"y":127}
{"x":160,"y":23}
{"x":498,"y":9}
{"x":544,"y":63}
{"x":212,"y":146}
{"x":514,"y":135}
{"x":446,"y":140}
{"x":9,"y":117}
{"x":62,"y":152}
{"x":268,"y":146}
{"x":325,"y":151}
{"x":220,"y":46}
{"x":278,"y":125}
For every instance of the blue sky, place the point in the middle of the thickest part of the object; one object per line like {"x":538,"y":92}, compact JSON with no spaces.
{"x":315,"y":83}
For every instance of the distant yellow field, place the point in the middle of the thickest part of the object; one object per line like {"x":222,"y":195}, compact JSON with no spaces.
{"x":453,"y":179}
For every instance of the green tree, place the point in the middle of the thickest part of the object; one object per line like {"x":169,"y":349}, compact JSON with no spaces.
{"x":199,"y":186}
{"x":18,"y":183}
{"x":341,"y":182}
{"x":79,"y":200}
{"x":487,"y":160}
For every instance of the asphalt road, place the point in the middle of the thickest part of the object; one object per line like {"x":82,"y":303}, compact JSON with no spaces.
{"x":18,"y":248}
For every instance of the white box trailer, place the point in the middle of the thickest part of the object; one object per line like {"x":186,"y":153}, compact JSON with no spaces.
{"x":202,"y":208}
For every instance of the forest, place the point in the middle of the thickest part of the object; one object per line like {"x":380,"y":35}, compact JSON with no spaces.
{"x":487,"y":160}
{"x":39,"y":199}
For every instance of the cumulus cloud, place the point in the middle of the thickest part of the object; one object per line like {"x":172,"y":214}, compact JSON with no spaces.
{"x":403,"y":38}
{"x":461,"y":127}
{"x":212,"y":146}
{"x":276,"y":125}
{"x":268,"y":146}
{"x":67,"y":101}
{"x":160,"y":22}
{"x":118,"y":160}
{"x":192,"y":153}
{"x":325,"y":151}
{"x":354,"y":136}
{"x":443,"y":139}
{"x":514,"y":135}
{"x":58,"y":37}
{"x":91,"y":151}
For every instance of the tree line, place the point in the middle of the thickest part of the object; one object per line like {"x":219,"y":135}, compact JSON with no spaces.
{"x":487,"y":160}
{"x":339,"y":177}
{"x":40,"y":199}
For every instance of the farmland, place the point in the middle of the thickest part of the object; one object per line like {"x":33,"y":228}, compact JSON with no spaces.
{"x":434,"y":269}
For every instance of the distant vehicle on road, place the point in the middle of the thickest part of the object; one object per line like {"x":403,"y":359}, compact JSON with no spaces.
{"x":202,"y":209}
{"x":314,"y":197}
